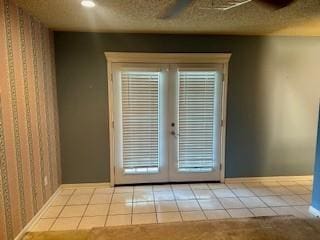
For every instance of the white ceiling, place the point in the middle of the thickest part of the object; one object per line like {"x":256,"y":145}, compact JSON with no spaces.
{"x":300,"y":18}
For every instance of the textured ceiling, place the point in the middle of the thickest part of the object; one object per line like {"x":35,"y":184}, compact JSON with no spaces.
{"x":300,"y":18}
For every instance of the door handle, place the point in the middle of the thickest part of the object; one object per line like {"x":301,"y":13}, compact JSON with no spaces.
{"x":173,"y":133}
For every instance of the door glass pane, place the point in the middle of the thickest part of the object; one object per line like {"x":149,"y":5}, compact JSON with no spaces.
{"x":140,"y":121}
{"x":197,"y":122}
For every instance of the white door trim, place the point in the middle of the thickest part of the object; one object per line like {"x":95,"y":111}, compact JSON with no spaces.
{"x":315,"y":212}
{"x":221,"y":59}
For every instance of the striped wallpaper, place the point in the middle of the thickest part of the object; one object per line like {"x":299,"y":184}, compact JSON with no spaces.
{"x":29,"y":139}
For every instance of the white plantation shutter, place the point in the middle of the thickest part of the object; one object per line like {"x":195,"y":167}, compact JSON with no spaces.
{"x":196,"y":121}
{"x":140,"y":121}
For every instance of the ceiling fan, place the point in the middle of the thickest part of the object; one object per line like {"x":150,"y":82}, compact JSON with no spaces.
{"x":179,"y":5}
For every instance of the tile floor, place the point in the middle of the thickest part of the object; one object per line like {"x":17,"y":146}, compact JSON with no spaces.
{"x":84,"y":208}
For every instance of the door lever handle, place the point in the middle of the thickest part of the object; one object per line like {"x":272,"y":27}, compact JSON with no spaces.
{"x":173,"y":133}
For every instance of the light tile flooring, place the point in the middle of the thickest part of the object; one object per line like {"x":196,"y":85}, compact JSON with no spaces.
{"x":84,"y":208}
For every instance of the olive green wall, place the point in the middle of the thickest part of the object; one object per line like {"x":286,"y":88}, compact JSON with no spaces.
{"x":274,"y":89}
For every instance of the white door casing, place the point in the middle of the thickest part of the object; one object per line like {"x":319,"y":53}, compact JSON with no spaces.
{"x":168,"y":65}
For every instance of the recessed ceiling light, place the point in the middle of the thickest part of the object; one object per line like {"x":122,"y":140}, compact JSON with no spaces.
{"x":88,"y":3}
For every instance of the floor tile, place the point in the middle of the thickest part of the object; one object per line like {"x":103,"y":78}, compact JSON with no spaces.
{"x":210,"y":204}
{"x":216,"y":214}
{"x":60,"y":201}
{"x":294,"y":200}
{"x":167,"y":217}
{"x":231,"y":203}
{"x":288,"y":211}
{"x":43,"y":225}
{"x":120,"y":208}
{"x":143,"y":196}
{"x":274,"y":201}
{"x":163,"y":196}
{"x":253,"y":184}
{"x":304,"y":210}
{"x":203,"y":194}
{"x":310,"y":188}
{"x":143,"y":188}
{"x":159,"y":188}
{"x":180,"y":187}
{"x":166,"y":206}
{"x":144,"y":207}
{"x":122,"y":197}
{"x":262,"y":212}
{"x":199,"y":186}
{"x":117,"y":220}
{"x":261,"y":191}
{"x":213,"y":186}
{"x":66,"y":192}
{"x":193,"y":216}
{"x":298,"y":189}
{"x":271,"y":183}
{"x":252,"y":202}
{"x":91,"y":222}
{"x":188,"y":205}
{"x":79,"y":199}
{"x":97,"y":210}
{"x":63,"y":224}
{"x":240,"y":213}
{"x":73,"y":211}
{"x":196,"y":201}
{"x":288,"y":183}
{"x":101,"y":198}
{"x":144,"y":218}
{"x":306,"y":197}
{"x":83,"y":191}
{"x":104,"y":190}
{"x":126,"y":189}
{"x":281,"y":190}
{"x":184,"y":194}
{"x":305,"y":183}
{"x":223,"y":193}
{"x":52,"y":212}
{"x":242,"y":192}
{"x":235,"y":185}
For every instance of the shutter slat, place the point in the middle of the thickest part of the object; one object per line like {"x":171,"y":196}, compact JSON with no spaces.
{"x":140,"y":120}
{"x":196,"y":121}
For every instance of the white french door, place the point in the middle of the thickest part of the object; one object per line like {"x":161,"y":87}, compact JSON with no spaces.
{"x":166,"y":122}
{"x":196,"y":115}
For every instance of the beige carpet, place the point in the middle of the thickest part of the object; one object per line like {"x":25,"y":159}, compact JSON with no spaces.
{"x":265,"y":228}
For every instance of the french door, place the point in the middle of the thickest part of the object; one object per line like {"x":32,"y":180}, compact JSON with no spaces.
{"x":167,"y":121}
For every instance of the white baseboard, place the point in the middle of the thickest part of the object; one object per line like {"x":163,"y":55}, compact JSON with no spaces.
{"x":85,"y":185}
{"x":34,"y":220}
{"x":315,"y":212}
{"x":276,"y":178}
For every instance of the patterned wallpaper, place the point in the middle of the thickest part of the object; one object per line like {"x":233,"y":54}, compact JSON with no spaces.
{"x":29,"y":139}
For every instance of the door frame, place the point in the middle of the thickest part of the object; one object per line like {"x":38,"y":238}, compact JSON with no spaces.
{"x":219,"y":59}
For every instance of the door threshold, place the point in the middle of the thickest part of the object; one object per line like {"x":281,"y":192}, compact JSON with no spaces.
{"x":164,"y":183}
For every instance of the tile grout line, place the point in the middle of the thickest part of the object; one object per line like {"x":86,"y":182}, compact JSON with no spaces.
{"x":81,"y":217}
{"x":246,"y":207}
{"x":197,"y":200}
{"x":238,"y":198}
{"x":69,"y":197}
{"x":154,"y":205}
{"x":108,"y":212}
{"x":175,"y":201}
{"x":133,"y":193}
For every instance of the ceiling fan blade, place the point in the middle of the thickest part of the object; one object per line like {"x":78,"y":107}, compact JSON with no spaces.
{"x":276,"y":4}
{"x":175,"y":9}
